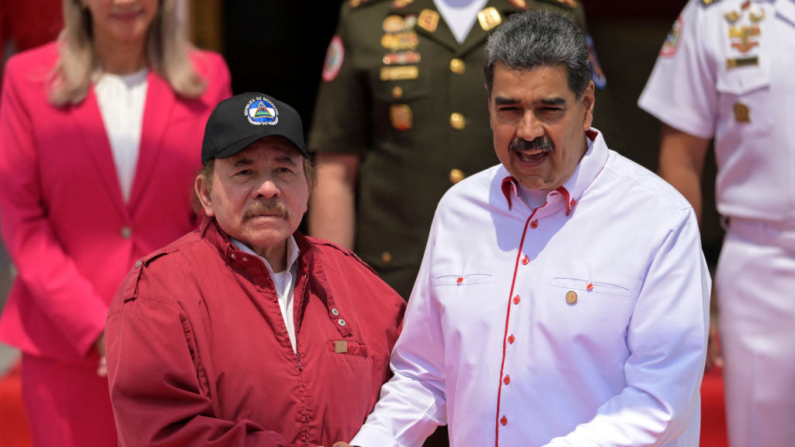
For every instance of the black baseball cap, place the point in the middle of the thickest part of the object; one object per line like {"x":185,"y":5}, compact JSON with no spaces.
{"x":241,"y":120}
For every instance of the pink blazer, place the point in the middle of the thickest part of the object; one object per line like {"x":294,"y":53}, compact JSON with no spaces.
{"x":69,"y":233}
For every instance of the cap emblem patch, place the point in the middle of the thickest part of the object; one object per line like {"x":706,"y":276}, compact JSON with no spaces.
{"x":261,"y":111}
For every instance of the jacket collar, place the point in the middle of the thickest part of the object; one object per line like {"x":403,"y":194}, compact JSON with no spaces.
{"x":312,"y":274}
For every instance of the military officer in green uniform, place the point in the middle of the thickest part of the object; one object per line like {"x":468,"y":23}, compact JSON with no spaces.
{"x":401,"y":116}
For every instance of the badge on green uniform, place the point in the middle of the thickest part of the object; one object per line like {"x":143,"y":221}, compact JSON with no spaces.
{"x":393,"y":24}
{"x":489,"y":18}
{"x":402,"y":58}
{"x":401,"y":117}
{"x":400,"y":73}
{"x":428,"y":20}
{"x":406,"y":40}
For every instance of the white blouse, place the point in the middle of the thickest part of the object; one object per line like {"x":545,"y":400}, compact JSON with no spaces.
{"x":121,"y":102}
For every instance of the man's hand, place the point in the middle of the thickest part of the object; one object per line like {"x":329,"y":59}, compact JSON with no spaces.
{"x":714,"y":353}
{"x":342,"y":444}
{"x":102,"y":367}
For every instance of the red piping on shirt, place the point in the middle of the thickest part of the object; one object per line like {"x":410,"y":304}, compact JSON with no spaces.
{"x":508,"y":318}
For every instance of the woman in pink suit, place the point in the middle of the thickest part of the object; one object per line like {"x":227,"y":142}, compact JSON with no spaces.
{"x":99,"y":142}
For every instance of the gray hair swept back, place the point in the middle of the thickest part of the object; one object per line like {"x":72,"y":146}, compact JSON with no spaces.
{"x":539,"y":39}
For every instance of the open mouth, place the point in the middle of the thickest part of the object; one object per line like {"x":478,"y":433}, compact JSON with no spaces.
{"x":532,"y":155}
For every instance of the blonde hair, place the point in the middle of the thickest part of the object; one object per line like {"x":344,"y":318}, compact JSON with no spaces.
{"x":167,"y":51}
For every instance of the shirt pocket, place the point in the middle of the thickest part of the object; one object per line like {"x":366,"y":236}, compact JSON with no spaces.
{"x":745,"y":102}
{"x":347,"y":348}
{"x":596,"y":287}
{"x":461,"y":280}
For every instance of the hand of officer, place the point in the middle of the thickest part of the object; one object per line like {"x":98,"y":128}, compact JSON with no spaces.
{"x":342,"y":444}
{"x":714,"y":353}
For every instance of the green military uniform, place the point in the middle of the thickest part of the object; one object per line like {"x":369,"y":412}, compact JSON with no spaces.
{"x":402,"y":93}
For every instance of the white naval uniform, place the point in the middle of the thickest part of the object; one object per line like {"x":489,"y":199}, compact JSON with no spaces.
{"x":711,"y":82}
{"x":492,"y":346}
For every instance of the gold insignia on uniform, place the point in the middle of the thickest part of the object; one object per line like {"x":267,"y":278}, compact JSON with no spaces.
{"x":456,"y":175}
{"x":410,"y":21}
{"x":354,"y":3}
{"x":521,"y":4}
{"x":571,"y":297}
{"x":756,"y":17}
{"x":397,"y":92}
{"x":732,"y":17}
{"x":393,"y":24}
{"x":401,"y":117}
{"x":406,"y":40}
{"x":340,"y":347}
{"x":489,"y":18}
{"x":428,"y":20}
{"x":744,"y":34}
{"x":402,"y":58}
{"x":399,"y":73}
{"x":742,"y":62}
{"x":397,"y":4}
{"x":741,"y":113}
{"x":386,"y":258}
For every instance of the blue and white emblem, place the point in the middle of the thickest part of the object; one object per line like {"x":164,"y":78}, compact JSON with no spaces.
{"x":261,"y":111}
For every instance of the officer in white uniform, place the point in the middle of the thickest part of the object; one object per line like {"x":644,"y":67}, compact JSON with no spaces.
{"x":727,"y":71}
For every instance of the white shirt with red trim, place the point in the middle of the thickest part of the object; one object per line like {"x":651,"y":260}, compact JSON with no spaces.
{"x":581,"y":323}
{"x":727,"y":70}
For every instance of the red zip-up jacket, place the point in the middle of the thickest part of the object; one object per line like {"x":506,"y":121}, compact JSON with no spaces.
{"x":198,"y":352}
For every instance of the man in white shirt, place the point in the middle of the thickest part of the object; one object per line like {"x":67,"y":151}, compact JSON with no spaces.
{"x":726,"y":72}
{"x":563,"y":296}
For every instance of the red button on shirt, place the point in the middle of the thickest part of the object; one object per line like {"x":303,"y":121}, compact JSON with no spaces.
{"x":459,"y":280}
{"x":516,"y":299}
{"x":511,"y":339}
{"x":589,"y":286}
{"x":534,"y":224}
{"x":504,"y":421}
{"x":525,"y":261}
{"x":506,"y":380}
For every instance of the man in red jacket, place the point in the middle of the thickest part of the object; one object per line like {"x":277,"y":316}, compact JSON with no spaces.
{"x":245,"y":332}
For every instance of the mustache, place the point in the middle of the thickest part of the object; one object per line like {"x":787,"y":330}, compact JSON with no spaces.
{"x":270,"y":208}
{"x":543,"y":143}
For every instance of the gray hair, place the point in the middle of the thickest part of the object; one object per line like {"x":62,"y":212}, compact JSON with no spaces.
{"x":167,"y":48}
{"x":539,"y":39}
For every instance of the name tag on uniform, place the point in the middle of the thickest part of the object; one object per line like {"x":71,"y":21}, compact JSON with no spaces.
{"x":742,"y":62}
{"x":399,"y":73}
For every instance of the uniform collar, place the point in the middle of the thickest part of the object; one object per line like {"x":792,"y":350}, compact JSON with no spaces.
{"x":584,"y":174}
{"x":292,"y":252}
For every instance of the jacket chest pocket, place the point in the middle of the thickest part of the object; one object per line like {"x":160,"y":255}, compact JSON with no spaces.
{"x":745,"y":101}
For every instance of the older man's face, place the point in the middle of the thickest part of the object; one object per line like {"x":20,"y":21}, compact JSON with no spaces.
{"x":538,"y":124}
{"x":259,"y":195}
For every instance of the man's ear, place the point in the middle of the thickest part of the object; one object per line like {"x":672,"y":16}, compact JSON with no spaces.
{"x":201,"y":186}
{"x":588,"y":100}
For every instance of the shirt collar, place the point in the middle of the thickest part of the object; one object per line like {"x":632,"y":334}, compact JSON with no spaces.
{"x":292,"y":252}
{"x":584,"y":174}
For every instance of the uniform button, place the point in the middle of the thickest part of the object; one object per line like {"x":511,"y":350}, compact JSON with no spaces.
{"x":386,"y":258}
{"x":126,"y":232}
{"x":525,"y":260}
{"x":506,"y":380}
{"x":516,"y":299}
{"x":534,"y":224}
{"x":245,"y":259}
{"x":457,"y":66}
{"x":232,"y":256}
{"x":511,"y":339}
{"x":504,"y":421}
{"x":341,"y":322}
{"x":456,"y":175}
{"x":589,"y":286}
{"x":335,"y":312}
{"x":571,"y":297}
{"x":397,"y":92}
{"x":573,"y":202}
{"x":459,"y":280}
{"x":457,"y":121}
{"x":138,"y":264}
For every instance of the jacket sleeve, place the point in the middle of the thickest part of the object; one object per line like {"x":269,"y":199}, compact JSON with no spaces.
{"x":155,"y":373}
{"x":342,"y":113}
{"x":51,"y":276}
{"x":667,"y":339}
